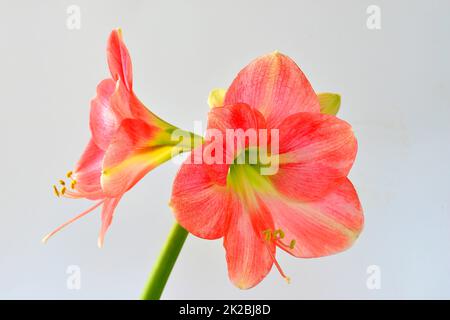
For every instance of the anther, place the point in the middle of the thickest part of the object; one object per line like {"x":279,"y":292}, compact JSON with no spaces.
{"x":69,"y":174}
{"x":56,"y":191}
{"x":73,"y":183}
{"x":292,"y":244}
{"x":63,"y":190}
{"x":62,"y":182}
{"x":267,"y":235}
{"x":278,"y":234}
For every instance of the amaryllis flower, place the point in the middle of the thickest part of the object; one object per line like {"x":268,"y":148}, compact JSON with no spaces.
{"x":308,"y":208}
{"x":127,"y":142}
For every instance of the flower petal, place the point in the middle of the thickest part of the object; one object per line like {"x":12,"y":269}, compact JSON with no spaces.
{"x":236,"y":116}
{"x":329,"y":103}
{"x":199,"y":203}
{"x":124,"y":102}
{"x":103,"y":120}
{"x":119,"y":60}
{"x":316,"y":151}
{"x":133,"y":152}
{"x":319,"y":228}
{"x":274,"y":85}
{"x":249,"y":257}
{"x":237,"y":125}
{"x":87,"y":173}
{"x":126,"y":105}
{"x":108,"y":208}
{"x":216,"y":97}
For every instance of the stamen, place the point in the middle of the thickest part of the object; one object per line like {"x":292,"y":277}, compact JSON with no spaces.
{"x":56,"y":191}
{"x":45,"y":239}
{"x":63,"y":190}
{"x":292,"y":244}
{"x":73,"y":183}
{"x":275,"y":239}
{"x":286,"y":246}
{"x":275,"y":262}
{"x":62,"y":182}
{"x":267,"y":235}
{"x":278,"y":234}
{"x":69,"y":174}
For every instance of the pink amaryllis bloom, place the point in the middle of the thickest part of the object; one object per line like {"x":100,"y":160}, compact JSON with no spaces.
{"x":127,"y":141}
{"x":308,"y":208}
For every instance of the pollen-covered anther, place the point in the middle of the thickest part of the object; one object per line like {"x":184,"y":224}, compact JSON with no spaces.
{"x":276,"y":237}
{"x":56,"y":191}
{"x":278,"y":234}
{"x":62,"y":186}
{"x":292,"y":244}
{"x":267,"y":235}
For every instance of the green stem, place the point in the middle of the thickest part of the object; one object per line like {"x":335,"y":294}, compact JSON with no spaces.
{"x":164,"y":265}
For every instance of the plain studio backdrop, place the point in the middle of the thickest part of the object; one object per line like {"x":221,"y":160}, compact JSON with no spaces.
{"x":394,"y":83}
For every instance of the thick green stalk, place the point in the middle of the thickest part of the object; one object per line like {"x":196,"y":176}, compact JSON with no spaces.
{"x":164,"y":265}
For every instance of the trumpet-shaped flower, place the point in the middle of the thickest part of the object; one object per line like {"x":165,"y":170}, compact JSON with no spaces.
{"x":127,"y":141}
{"x":308,"y":207}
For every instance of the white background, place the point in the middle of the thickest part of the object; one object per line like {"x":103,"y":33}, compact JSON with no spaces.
{"x":395,"y":92}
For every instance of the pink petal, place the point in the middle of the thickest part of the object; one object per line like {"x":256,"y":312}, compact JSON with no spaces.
{"x":249,"y":257}
{"x":274,"y":85}
{"x":109,"y":206}
{"x":131,"y":154}
{"x":235,"y":116}
{"x":125,"y":104}
{"x":123,"y":101}
{"x":323,"y":227}
{"x":199,"y":203}
{"x":87,"y":173}
{"x":119,"y":60}
{"x":103,"y":120}
{"x":316,"y":151}
{"x":238,"y":125}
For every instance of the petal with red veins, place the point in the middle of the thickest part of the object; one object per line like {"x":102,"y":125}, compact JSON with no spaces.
{"x":216,"y":97}
{"x":125,"y":104}
{"x":316,"y":151}
{"x":103,"y":120}
{"x":236,"y":116}
{"x":108,"y":208}
{"x":199,"y":203}
{"x":249,"y":256}
{"x":274,"y":85}
{"x":238,"y":125}
{"x":133,"y":152}
{"x":319,"y":228}
{"x":87,"y":173}
{"x":119,"y":60}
